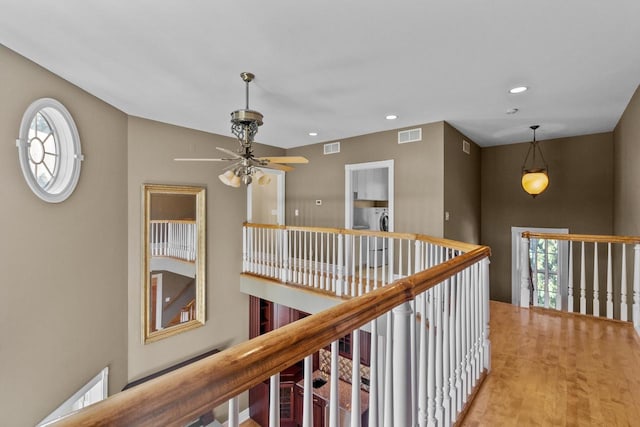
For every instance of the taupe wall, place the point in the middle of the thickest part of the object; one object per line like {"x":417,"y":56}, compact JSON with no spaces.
{"x":461,"y":187}
{"x":63,"y":289}
{"x":152,"y":148}
{"x":579,"y":197}
{"x":626,"y":150}
{"x":419,"y":175}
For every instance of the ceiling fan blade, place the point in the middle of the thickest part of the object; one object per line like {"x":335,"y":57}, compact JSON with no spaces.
{"x":229,"y":152}
{"x":201,"y":160}
{"x":278,"y":167}
{"x":285,"y":159}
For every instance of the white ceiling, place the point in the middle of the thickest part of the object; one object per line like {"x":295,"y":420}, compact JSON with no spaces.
{"x":339,"y":66}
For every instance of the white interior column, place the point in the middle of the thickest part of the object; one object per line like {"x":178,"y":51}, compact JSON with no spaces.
{"x":402,"y":366}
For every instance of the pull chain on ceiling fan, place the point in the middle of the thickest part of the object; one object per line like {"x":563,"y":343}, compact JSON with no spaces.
{"x":245,"y":169}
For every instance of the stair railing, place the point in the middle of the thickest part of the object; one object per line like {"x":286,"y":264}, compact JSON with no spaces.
{"x":433,"y":357}
{"x":591,"y":289}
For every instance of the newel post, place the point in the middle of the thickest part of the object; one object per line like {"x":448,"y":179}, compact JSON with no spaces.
{"x":525,"y":280}
{"x":636,"y":287}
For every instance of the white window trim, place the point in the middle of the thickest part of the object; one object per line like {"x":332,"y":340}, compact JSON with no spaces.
{"x":102,"y":378}
{"x":70,"y":156}
{"x":563,"y":260}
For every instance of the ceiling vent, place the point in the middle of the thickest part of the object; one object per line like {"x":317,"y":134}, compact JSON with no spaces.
{"x":332,"y":148}
{"x":411,"y":135}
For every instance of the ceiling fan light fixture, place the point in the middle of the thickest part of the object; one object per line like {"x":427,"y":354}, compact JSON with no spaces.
{"x":535,"y":179}
{"x":261,"y":178}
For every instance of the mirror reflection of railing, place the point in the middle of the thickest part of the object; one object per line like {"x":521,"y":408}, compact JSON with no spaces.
{"x":585,"y":294}
{"x":173,"y":262}
{"x":174,"y":238}
{"x":430,"y":351}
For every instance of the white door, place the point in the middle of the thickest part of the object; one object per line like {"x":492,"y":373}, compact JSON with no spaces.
{"x":265,"y":203}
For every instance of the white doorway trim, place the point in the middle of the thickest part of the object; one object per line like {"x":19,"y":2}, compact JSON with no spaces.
{"x":280,"y":175}
{"x":348,"y":189}
{"x":516,"y":260}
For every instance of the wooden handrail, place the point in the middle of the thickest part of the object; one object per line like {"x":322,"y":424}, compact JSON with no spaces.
{"x":182,"y":395}
{"x":592,"y":238}
{"x":453,"y":244}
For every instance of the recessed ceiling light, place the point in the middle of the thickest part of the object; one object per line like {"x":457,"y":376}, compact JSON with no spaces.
{"x":512,"y":111}
{"x":518,"y":89}
{"x":391,"y":117}
{"x":313,"y":133}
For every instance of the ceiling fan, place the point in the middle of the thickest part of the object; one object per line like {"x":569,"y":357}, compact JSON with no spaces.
{"x":245,"y":169}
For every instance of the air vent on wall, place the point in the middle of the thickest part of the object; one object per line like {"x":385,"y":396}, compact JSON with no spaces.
{"x":466,"y":147}
{"x":332,"y":148}
{"x":411,"y":135}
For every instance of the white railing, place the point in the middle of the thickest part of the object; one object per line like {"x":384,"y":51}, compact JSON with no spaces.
{"x":588,"y":291}
{"x":429,"y":342}
{"x":176,"y":239}
{"x":435,"y":346}
{"x":343,"y":262}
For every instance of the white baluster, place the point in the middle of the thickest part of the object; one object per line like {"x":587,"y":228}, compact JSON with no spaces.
{"x":402,"y":415}
{"x":315,"y":273}
{"x":413,"y":355}
{"x":636,"y":287}
{"x":596,"y":282}
{"x":322,"y":263}
{"x":609,"y":283}
{"x":286,"y":256}
{"x":486,"y":315}
{"x":274,"y":401}
{"x":583,"y":283}
{"x":307,"y":408}
{"x":375,"y":263}
{"x":438,"y":367}
{"x":431,"y":362}
{"x":459,"y":341}
{"x":340,"y":275}
{"x":524,"y":273}
{"x":233,"y":412}
{"x":453,"y":409}
{"x":374,"y":409}
{"x":334,"y":279}
{"x":624,"y":310}
{"x":368,"y":279}
{"x":388,"y":374}
{"x":444,"y":330}
{"x":359,"y":291}
{"x":355,"y":379}
{"x":305,"y":280}
{"x":422,"y":364}
{"x":570,"y":292}
{"x":334,"y":398}
{"x":353,"y":266}
{"x":244,"y":248}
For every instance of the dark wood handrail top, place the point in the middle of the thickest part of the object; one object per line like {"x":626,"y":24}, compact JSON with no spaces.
{"x":182,"y":395}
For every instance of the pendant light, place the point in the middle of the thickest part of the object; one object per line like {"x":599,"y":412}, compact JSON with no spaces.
{"x":535,"y":178}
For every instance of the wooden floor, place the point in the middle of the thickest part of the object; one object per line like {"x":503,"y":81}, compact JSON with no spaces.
{"x":555,"y":369}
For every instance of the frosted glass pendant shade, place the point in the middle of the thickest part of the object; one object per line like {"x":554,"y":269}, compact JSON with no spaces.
{"x":535,"y":182}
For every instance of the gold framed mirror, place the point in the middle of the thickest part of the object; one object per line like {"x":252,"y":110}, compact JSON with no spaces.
{"x":173,"y":260}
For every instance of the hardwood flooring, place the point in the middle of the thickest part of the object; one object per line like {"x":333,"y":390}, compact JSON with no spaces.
{"x":556,"y":369}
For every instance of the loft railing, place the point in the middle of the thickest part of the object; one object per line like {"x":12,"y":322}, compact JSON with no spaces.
{"x":341,"y":261}
{"x":429,"y":345}
{"x":591,"y":289}
{"x":173,"y":238}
